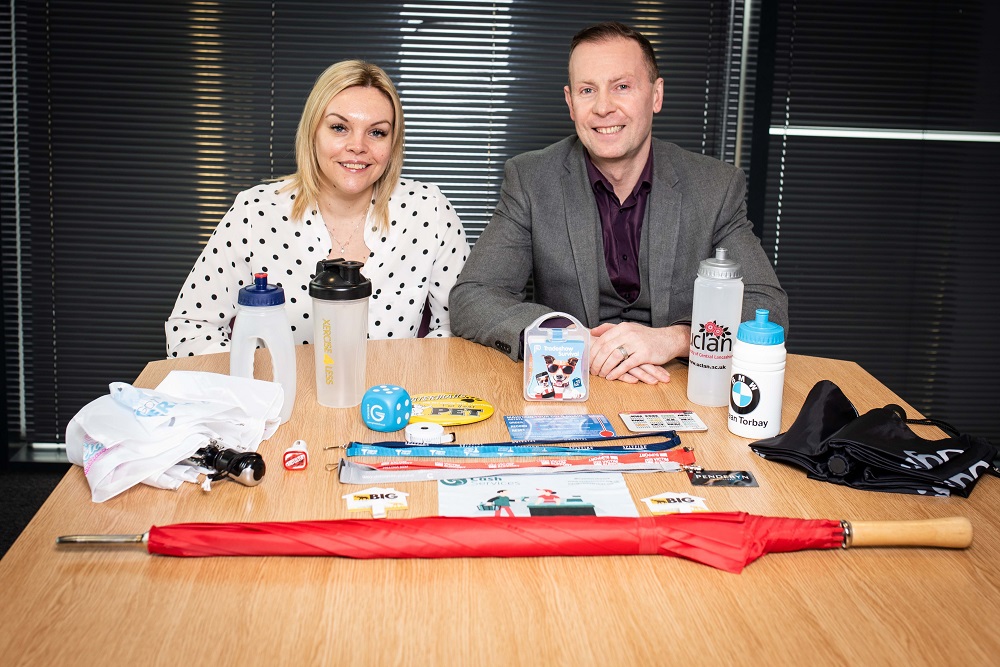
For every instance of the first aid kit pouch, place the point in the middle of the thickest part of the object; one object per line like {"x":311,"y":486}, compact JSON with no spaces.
{"x":556,"y":360}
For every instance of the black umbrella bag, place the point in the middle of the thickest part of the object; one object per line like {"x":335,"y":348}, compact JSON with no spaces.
{"x":877,"y":450}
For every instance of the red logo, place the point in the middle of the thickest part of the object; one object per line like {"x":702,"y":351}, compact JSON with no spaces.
{"x":715,"y":329}
{"x":296,"y":460}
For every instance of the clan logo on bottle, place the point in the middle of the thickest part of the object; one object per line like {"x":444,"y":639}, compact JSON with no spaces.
{"x":712,"y":337}
{"x":745,"y":395}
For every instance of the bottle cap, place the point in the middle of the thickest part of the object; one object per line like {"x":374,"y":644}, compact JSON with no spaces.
{"x":720,"y":267}
{"x":760,"y":331}
{"x":339,"y":280}
{"x":260,"y":293}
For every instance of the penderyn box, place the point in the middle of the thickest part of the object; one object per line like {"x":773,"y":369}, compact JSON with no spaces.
{"x":556,"y":360}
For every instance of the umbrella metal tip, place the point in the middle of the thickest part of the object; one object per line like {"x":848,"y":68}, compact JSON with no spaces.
{"x":97,"y":540}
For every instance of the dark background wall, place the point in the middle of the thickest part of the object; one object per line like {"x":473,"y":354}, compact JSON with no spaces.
{"x":882,"y":241}
{"x":129,"y":127}
{"x":138,"y":124}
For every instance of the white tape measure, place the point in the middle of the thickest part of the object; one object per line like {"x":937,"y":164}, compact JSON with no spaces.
{"x":428,"y":433}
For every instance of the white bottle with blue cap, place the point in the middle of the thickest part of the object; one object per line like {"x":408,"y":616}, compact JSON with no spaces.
{"x":758,"y":378}
{"x":260,"y":316}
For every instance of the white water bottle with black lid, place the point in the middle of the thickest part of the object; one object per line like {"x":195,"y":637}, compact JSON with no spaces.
{"x":715,"y":315}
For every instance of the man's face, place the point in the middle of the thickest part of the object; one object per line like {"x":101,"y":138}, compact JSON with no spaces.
{"x":612,"y":101}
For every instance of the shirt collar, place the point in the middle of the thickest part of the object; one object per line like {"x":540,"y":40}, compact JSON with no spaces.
{"x":595,"y":175}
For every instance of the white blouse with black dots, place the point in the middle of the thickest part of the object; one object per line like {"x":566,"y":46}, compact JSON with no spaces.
{"x":417,"y":260}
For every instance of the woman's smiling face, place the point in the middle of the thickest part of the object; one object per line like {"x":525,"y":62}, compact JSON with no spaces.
{"x":353,"y":142}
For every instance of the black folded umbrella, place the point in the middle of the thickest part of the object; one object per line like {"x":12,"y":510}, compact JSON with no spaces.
{"x":877,"y":450}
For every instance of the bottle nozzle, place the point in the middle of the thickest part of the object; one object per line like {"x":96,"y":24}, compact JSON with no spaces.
{"x":761,"y":331}
{"x":260,"y":293}
{"x":720,"y":267}
{"x":351,"y":272}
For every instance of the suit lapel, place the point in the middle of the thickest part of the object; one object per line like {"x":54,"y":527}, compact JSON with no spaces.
{"x":583,"y":224}
{"x":663,"y":217}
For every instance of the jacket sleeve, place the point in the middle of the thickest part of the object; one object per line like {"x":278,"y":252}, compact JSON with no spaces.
{"x":488,"y":302}
{"x":734,"y":232}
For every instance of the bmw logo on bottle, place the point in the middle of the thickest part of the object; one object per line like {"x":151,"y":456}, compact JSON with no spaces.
{"x":745,"y":394}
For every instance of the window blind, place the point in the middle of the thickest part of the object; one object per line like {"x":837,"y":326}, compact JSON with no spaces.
{"x":134,"y":126}
{"x":883,"y":235}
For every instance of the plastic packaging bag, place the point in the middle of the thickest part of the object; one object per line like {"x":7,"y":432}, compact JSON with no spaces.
{"x":135,"y":435}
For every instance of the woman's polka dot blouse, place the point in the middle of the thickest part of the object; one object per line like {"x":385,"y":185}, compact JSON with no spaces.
{"x":416,"y":261}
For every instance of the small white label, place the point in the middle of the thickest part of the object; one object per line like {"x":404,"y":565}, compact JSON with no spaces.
{"x":662,"y":420}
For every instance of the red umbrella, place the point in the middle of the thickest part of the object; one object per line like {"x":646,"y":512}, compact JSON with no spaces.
{"x":728,"y":541}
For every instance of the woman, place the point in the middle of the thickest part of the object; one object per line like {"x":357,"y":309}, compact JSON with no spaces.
{"x":346,"y":200}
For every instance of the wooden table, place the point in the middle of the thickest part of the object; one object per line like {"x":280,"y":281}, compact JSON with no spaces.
{"x":122,"y":606}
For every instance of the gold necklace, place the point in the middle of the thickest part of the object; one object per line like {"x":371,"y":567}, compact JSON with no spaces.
{"x":357,"y":225}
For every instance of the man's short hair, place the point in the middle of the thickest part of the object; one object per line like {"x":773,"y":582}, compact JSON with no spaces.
{"x":608,"y":30}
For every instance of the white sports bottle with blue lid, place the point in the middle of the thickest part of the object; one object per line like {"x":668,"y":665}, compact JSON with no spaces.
{"x":260,"y":316}
{"x":758,"y":378}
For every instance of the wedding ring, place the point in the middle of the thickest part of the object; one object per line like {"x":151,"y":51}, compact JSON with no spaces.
{"x":622,"y":351}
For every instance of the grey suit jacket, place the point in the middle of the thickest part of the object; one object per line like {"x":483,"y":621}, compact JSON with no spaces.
{"x":546,"y":225}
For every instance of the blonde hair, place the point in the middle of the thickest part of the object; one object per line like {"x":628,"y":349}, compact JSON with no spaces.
{"x":335,"y":79}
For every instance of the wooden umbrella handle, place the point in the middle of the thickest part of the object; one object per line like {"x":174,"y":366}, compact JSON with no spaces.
{"x":953,"y":532}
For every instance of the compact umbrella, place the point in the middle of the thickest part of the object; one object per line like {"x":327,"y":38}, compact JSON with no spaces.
{"x":727,"y":541}
{"x":877,"y":450}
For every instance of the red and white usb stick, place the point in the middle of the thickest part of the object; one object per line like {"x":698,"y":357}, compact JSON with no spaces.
{"x":297,"y":456}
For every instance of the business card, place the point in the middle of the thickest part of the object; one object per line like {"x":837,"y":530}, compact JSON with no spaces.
{"x":662,"y":420}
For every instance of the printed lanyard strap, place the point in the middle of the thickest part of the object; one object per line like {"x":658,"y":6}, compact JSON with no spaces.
{"x":665,"y":440}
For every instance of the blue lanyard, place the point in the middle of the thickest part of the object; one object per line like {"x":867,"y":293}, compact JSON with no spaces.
{"x":669,"y":440}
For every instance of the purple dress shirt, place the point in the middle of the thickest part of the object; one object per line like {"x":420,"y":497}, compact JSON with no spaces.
{"x":621,"y":226}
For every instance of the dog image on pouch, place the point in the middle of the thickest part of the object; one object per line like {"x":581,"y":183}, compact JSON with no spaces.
{"x":560,"y":372}
{"x":545,"y":388}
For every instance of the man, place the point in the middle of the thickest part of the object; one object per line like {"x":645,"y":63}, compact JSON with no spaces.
{"x":501,"y":503}
{"x":612,"y":225}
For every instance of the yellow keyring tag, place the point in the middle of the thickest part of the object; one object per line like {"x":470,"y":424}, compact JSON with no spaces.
{"x":449,"y":409}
